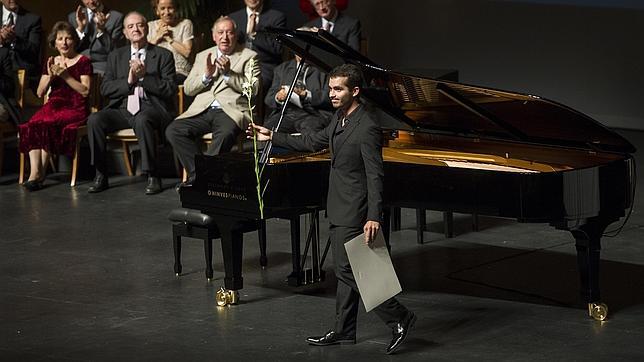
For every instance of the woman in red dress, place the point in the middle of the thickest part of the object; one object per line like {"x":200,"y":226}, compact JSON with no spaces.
{"x":53,"y":128}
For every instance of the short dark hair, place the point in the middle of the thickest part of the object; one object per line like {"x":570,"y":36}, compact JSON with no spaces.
{"x":349,"y":71}
{"x":155,"y":3}
{"x":62,"y":26}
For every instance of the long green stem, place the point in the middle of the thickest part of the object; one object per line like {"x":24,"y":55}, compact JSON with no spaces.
{"x":260,"y":201}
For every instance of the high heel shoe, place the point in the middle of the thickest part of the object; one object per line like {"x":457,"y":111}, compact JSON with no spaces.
{"x":33,"y":185}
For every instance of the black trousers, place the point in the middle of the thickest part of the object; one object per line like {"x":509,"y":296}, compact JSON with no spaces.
{"x":145,"y":123}
{"x":185,"y":136}
{"x":347,"y":297}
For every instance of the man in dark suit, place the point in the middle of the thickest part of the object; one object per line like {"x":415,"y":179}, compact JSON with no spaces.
{"x":99,"y":29}
{"x":343,"y":27}
{"x":309,"y":108}
{"x":21,"y":32}
{"x":269,"y":50}
{"x":139,"y":83}
{"x":8,"y":109}
{"x":354,"y":202}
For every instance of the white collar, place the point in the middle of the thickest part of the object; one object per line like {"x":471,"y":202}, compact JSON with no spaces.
{"x":6,"y":12}
{"x":249,"y":11}
{"x":332,"y":21}
{"x":140,"y":51}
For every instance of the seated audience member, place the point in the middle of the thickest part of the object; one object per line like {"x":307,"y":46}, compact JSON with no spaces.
{"x":53,"y":128}
{"x":343,"y":27}
{"x":309,"y":110}
{"x":219,"y":105}
{"x":8,"y":107}
{"x":255,"y":16}
{"x":21,"y":32}
{"x":174,"y":34}
{"x":139,"y":85}
{"x":100,"y":31}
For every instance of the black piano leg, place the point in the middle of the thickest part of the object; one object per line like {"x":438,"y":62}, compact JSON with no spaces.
{"x":261,"y":234}
{"x":421,"y":220}
{"x":232,"y":240}
{"x":207,"y":247}
{"x":475,"y":222}
{"x":395,"y":218}
{"x":588,"y":244}
{"x":295,"y":278}
{"x":176,"y":245}
{"x":448,"y":224}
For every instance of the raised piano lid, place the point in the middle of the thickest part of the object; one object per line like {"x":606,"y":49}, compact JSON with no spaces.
{"x":438,"y":106}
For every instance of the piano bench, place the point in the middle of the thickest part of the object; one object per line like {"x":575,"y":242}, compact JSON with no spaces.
{"x":192,"y":224}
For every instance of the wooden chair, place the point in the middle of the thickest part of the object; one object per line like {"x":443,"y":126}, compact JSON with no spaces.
{"x":127,"y":136}
{"x":8,"y":131}
{"x":95,"y":104}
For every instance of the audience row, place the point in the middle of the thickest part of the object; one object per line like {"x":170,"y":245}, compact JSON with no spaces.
{"x":141,"y":63}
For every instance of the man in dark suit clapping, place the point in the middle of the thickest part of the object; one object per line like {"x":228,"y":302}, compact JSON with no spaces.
{"x":100,"y":31}
{"x":343,"y":27}
{"x":21,"y":32}
{"x":139,"y":83}
{"x":354,"y":202}
{"x":251,"y":19}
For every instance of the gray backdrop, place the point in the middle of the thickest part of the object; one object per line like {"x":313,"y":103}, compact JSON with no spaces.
{"x":589,"y":58}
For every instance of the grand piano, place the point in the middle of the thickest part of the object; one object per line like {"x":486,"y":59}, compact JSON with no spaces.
{"x":448,"y":147}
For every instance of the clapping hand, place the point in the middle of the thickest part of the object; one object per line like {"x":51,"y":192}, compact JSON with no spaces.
{"x":7,"y":34}
{"x":137,"y":70}
{"x":280,"y":96}
{"x":81,"y":18}
{"x":100,"y":19}
{"x":211,"y":67}
{"x":223,"y":64}
{"x":163,"y":33}
{"x":54,"y":69}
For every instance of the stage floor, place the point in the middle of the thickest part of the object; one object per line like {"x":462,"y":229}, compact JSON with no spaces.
{"x":90,"y":277}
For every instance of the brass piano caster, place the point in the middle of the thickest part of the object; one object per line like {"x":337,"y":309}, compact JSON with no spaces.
{"x":598,"y":311}
{"x":225,"y":297}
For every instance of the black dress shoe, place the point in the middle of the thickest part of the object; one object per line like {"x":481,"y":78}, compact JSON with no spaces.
{"x":154,"y":186}
{"x":100,"y":184}
{"x":33,"y":185}
{"x":330,"y":338}
{"x":400,"y":332}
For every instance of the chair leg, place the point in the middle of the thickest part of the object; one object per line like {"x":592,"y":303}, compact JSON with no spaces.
{"x":126,"y":159}
{"x":1,"y":152}
{"x":176,"y":244}
{"x":21,"y":177}
{"x":184,"y":176}
{"x":52,"y":164}
{"x":207,"y":246}
{"x":72,"y":183}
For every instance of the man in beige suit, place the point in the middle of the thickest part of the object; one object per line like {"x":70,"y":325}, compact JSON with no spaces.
{"x":219,"y":106}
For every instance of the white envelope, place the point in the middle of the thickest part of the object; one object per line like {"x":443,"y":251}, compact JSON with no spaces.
{"x":372,"y":269}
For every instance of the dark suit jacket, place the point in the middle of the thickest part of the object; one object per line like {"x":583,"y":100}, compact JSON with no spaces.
{"x":7,"y":86}
{"x":26,"y":50}
{"x":97,"y":49}
{"x":356,"y":176}
{"x":345,"y":28}
{"x":314,"y":80}
{"x":268,"y":50}
{"x":158,"y":82}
